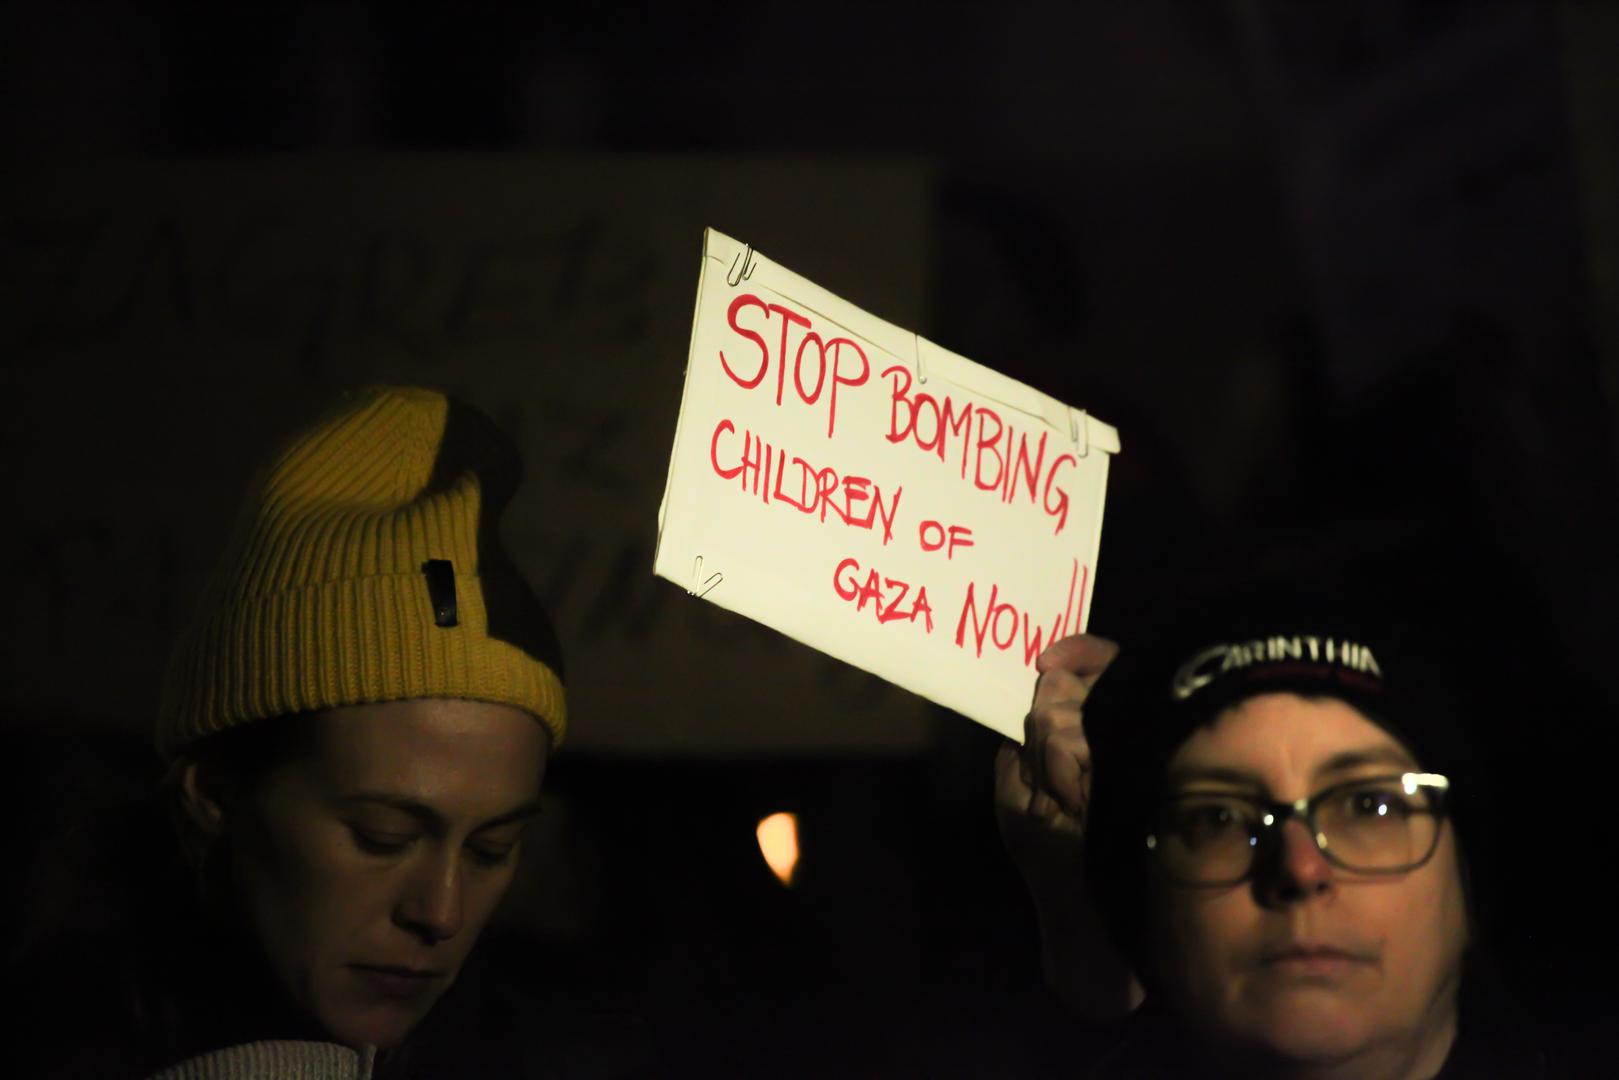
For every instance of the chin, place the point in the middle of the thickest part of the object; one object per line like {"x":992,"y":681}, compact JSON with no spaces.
{"x":382,"y":1026}
{"x":1308,"y":1031}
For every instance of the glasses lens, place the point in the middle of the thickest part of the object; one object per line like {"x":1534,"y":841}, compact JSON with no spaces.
{"x":1384,"y":825}
{"x":1207,"y":839}
{"x":1378,"y":825}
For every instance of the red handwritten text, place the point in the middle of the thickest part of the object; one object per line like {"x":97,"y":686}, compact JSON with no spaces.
{"x":829,"y":363}
{"x":884,"y":594}
{"x":999,"y":622}
{"x":853,"y":500}
{"x":1000,"y":454}
{"x":932,"y":536}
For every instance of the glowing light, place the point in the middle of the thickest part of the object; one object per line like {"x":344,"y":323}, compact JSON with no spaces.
{"x":1413,"y":780}
{"x":778,"y":843}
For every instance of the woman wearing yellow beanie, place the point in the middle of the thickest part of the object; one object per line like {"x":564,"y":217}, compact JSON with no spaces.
{"x":355,"y":726}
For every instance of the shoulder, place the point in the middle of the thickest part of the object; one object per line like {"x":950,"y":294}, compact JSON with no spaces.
{"x":1509,"y":1031}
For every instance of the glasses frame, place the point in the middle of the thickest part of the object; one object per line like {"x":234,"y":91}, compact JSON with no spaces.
{"x":1274,"y":815}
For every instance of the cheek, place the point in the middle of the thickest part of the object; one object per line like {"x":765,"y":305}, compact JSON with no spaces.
{"x":1197,"y":939}
{"x":309,"y":900}
{"x":484,"y":888}
{"x":1425,"y":929}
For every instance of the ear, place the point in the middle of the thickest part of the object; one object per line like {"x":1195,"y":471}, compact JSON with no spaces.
{"x":203,"y":807}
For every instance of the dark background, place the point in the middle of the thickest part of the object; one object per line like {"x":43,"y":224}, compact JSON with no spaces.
{"x":1342,"y":275}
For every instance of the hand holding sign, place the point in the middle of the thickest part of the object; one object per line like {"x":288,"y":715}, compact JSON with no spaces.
{"x":1048,"y":778}
{"x":875,"y":496}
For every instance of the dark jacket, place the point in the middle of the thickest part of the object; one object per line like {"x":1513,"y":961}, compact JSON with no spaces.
{"x":1497,"y":1037}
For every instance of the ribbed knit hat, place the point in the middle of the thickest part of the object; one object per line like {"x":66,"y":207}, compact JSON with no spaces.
{"x":366,"y":567}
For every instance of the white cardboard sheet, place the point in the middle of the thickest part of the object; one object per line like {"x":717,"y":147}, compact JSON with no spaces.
{"x":875,"y":496}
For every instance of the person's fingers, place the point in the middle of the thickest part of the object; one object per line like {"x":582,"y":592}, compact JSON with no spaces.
{"x":1013,"y":780}
{"x":1043,"y":806}
{"x":1054,"y":747}
{"x":1008,"y":763}
{"x":1060,"y":720}
{"x":1086,"y":655}
{"x":1056,"y":755}
{"x":1053,"y":767}
{"x":1057,"y":686}
{"x":1067,"y":774}
{"x":1017,"y":798}
{"x":1069,"y":667}
{"x":1037,"y":728}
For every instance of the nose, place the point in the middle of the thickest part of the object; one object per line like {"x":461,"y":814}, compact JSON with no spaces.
{"x":1296,"y":870}
{"x":431,"y":904}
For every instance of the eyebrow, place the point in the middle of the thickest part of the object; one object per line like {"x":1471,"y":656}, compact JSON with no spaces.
{"x":1375,"y":755}
{"x":433,"y":821}
{"x":1214,"y":773}
{"x":1337,"y":763}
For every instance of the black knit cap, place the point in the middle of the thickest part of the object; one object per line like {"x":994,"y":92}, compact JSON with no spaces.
{"x":1329,"y":636}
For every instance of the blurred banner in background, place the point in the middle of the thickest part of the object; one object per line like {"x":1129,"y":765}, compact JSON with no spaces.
{"x":170,"y":319}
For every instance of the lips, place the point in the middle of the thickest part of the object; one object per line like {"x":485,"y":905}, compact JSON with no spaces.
{"x":1307,"y":952}
{"x":1313,"y":960}
{"x":394,"y":981}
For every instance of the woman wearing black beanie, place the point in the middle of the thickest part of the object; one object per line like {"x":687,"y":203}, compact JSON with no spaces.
{"x":1283,"y":833}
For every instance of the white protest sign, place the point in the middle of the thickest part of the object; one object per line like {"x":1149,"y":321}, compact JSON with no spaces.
{"x":875,"y":496}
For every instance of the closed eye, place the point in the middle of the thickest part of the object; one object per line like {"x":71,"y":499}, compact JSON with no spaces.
{"x":377,"y":843}
{"x":492,"y":854}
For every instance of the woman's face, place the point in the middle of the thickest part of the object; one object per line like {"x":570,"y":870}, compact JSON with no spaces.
{"x":1307,"y":962}
{"x":368,"y":870}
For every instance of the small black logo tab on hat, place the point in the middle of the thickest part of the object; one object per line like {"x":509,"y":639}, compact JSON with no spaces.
{"x":441,"y":591}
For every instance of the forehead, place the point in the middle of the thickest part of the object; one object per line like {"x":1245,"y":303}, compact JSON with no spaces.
{"x":443,"y":751}
{"x":1285,"y":741}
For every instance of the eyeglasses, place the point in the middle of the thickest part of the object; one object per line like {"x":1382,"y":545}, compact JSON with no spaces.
{"x":1379,"y":825}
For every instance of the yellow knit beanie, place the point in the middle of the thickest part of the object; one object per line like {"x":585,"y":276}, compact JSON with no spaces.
{"x":367,"y":567}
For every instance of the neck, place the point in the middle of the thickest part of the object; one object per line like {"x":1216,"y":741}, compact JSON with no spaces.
{"x":1418,"y":1057}
{"x":1422,"y":1062}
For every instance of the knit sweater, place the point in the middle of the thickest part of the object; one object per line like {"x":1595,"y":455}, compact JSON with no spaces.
{"x":285,"y":1060}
